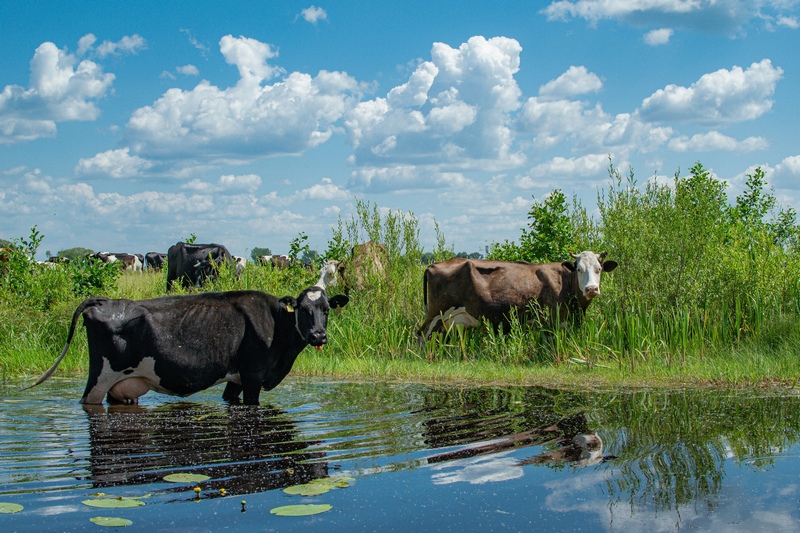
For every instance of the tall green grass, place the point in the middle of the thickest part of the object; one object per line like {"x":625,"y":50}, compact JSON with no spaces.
{"x":707,"y":291}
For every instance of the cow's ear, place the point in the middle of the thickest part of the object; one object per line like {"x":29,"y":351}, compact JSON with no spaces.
{"x":288,"y":303}
{"x":608,"y":266}
{"x":340,"y":300}
{"x":569,"y":265}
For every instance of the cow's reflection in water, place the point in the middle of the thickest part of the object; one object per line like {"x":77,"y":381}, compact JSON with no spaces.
{"x":244,"y":449}
{"x":572,"y":443}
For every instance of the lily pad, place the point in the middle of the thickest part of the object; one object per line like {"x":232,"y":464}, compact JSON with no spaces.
{"x":308,"y":489}
{"x":113,"y":503}
{"x":337,"y":482}
{"x":110,"y":521}
{"x":301,"y":510}
{"x":186,"y":478}
{"x":10,"y":508}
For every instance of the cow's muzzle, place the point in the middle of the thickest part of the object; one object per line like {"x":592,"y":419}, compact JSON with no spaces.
{"x":591,"y":291}
{"x":317,"y":338}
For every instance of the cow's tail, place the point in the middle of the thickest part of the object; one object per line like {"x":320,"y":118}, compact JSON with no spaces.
{"x":50,"y":371}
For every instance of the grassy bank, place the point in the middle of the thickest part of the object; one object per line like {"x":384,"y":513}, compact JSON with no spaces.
{"x":707,"y":292}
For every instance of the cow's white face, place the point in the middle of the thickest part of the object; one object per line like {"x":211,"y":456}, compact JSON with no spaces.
{"x":589,"y":266}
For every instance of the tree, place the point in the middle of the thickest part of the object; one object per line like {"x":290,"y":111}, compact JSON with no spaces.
{"x":258,"y":252}
{"x":74,"y":253}
{"x":549,"y":236}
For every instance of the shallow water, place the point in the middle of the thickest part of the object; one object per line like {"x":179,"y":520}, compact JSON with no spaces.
{"x":423,"y":458}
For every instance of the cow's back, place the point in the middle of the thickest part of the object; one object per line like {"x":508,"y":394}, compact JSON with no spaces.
{"x":490,"y":289}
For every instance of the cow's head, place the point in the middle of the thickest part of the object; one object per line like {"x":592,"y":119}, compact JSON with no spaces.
{"x":588,"y":266}
{"x":310,"y":311}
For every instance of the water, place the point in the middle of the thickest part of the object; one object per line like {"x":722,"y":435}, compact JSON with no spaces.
{"x":424,"y":458}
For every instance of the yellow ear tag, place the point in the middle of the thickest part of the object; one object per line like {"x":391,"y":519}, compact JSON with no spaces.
{"x":289,"y":308}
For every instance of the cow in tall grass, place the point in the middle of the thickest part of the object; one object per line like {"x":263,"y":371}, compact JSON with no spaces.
{"x":464,"y":291}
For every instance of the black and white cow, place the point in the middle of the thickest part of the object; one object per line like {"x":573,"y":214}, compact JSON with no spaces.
{"x":130,"y":262}
{"x":155,"y":260}
{"x":192,"y":264}
{"x":180,"y":345}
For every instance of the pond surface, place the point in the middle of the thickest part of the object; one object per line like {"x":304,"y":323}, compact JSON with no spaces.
{"x":423,"y":458}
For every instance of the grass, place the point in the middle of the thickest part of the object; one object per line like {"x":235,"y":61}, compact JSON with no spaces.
{"x":373,"y":337}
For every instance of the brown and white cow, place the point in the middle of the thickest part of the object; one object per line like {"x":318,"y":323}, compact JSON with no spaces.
{"x":463,"y":291}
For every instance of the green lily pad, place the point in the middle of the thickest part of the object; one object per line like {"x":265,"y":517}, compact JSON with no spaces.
{"x":301,"y":510}
{"x":113,"y":503}
{"x":103,"y":495}
{"x":109,"y":521}
{"x":308,"y":489}
{"x":186,"y":478}
{"x":10,"y":508}
{"x":337,"y":482}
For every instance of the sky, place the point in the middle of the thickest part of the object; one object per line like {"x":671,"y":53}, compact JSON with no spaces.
{"x":128,"y":126}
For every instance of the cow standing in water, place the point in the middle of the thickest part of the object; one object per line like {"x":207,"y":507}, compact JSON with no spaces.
{"x":180,"y":345}
{"x":462,"y":291}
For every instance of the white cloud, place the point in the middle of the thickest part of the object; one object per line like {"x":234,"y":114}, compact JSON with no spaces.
{"x":727,"y":17}
{"x":130,"y":44}
{"x":326,"y":191}
{"x":114,"y":164}
{"x":658,"y":37}
{"x":789,"y":22}
{"x":404,"y":177}
{"x":786,"y":174}
{"x":714,"y":140}
{"x":248,"y":120}
{"x":559,"y":170}
{"x":721,"y":97}
{"x":61,"y":89}
{"x":575,"y":81}
{"x":188,"y":70}
{"x":454,"y":112}
{"x":226,"y":184}
{"x":314,"y":14}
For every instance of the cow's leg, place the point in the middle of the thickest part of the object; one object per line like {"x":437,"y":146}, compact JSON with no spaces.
{"x":232,"y":392}
{"x":251,"y":388}
{"x":95,"y":390}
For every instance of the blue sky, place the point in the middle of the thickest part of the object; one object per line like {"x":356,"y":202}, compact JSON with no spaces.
{"x":126,"y":126}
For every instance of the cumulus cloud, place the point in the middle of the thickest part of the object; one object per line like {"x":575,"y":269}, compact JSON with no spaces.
{"x":61,"y":88}
{"x":727,"y":17}
{"x":454,"y":112}
{"x":314,"y":14}
{"x":127,"y":45}
{"x":99,"y":220}
{"x":404,"y":177}
{"x":114,"y":164}
{"x":226,"y":184}
{"x":786,"y":174}
{"x":560,"y":170}
{"x":658,"y":37}
{"x":588,"y":128}
{"x":721,"y":97}
{"x":575,"y":81}
{"x":789,"y":22}
{"x":714,"y":140}
{"x":249,"y":120}
{"x":188,"y":70}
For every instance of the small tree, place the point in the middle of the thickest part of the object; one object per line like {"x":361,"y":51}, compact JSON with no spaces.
{"x":258,"y":252}
{"x":549,"y":236}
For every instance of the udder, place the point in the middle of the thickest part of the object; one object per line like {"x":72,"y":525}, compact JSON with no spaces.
{"x":129,"y":390}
